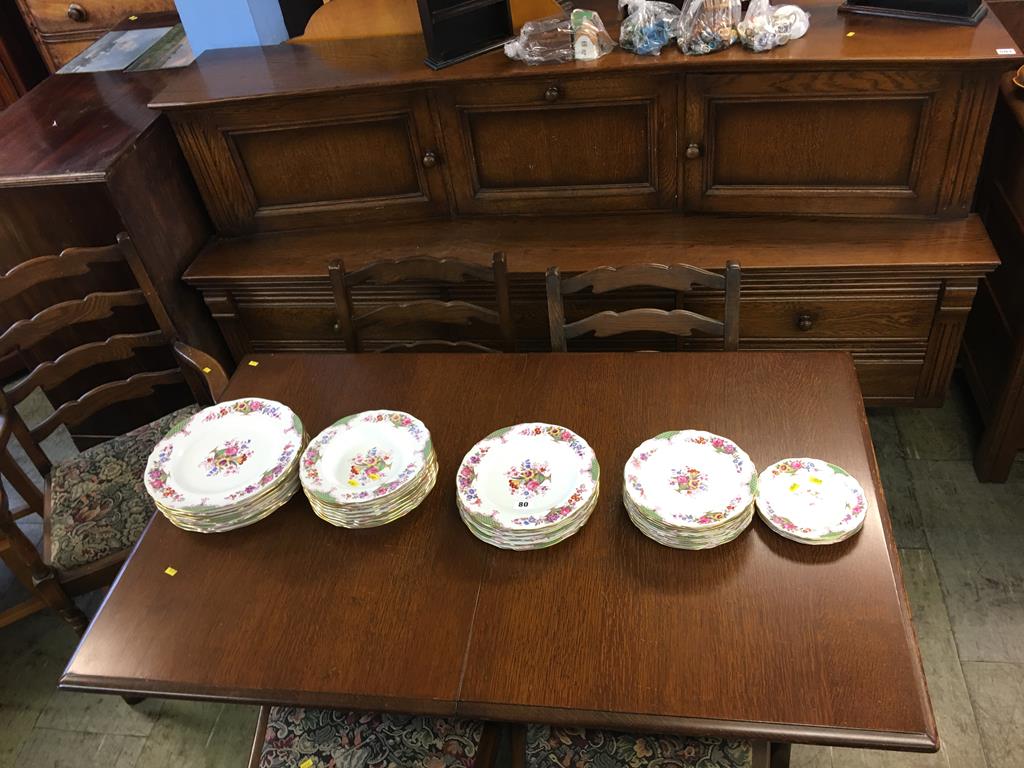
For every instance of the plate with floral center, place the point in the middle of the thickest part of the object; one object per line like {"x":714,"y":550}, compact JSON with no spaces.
{"x":527,"y":476}
{"x":365,"y":457}
{"x":690,"y":479}
{"x":224,"y":455}
{"x":811,"y":501}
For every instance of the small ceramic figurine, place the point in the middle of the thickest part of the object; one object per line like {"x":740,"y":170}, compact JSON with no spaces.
{"x":590,"y":39}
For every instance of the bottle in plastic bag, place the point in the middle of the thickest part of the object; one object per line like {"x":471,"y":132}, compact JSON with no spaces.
{"x":590,"y":39}
{"x":706,"y":26}
{"x":541,"y":41}
{"x":766,"y":26}
{"x":649,"y":27}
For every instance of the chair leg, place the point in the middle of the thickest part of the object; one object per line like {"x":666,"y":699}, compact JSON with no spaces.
{"x":131,"y":701}
{"x":50,"y":590}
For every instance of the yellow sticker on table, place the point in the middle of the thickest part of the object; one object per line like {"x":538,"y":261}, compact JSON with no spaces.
{"x":207,"y":370}
{"x":253,"y":363}
{"x":170,"y":571}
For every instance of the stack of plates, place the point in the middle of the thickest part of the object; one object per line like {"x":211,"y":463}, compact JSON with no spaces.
{"x":690,"y":489}
{"x":811,"y":501}
{"x":369,"y":469}
{"x":528,"y":486}
{"x":227,"y":466}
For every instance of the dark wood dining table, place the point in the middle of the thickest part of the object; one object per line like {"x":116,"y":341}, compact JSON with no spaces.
{"x":762,"y":638}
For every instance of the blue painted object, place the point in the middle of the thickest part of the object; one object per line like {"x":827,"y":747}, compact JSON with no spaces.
{"x":231,"y":23}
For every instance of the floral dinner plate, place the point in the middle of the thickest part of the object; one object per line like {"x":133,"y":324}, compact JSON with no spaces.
{"x":811,"y":501}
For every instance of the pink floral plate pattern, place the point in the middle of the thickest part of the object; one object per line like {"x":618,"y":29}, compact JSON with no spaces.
{"x":528,"y":476}
{"x":365,"y":457}
{"x":811,"y":501}
{"x":224,"y":455}
{"x":689,"y":479}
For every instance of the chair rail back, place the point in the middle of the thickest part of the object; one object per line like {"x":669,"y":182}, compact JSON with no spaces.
{"x":449,"y":313}
{"x":677,"y":322}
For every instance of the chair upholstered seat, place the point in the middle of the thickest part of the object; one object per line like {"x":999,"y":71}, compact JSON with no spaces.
{"x":327,"y":738}
{"x":550,"y":747}
{"x":98,"y":502}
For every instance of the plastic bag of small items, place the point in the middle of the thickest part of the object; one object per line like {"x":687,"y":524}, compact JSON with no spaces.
{"x":649,"y":27}
{"x":590,"y":39}
{"x":766,"y":26}
{"x":706,"y":26}
{"x":543,"y":40}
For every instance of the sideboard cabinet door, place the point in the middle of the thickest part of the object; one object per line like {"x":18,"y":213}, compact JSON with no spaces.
{"x":556,"y":144}
{"x":323,"y":161}
{"x":843,"y":142}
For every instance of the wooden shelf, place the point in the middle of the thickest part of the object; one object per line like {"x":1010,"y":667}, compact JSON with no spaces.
{"x":578,"y":243}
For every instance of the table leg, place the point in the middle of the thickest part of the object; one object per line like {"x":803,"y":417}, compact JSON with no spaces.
{"x":779,"y":755}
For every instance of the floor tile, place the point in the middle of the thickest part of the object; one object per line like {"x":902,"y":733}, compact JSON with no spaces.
{"x":947,"y":433}
{"x":64,"y":749}
{"x":976,"y":536}
{"x":806,"y":756}
{"x":200,"y":735}
{"x":997,"y":691}
{"x":93,"y":713}
{"x":885,"y":433}
{"x":901,"y":499}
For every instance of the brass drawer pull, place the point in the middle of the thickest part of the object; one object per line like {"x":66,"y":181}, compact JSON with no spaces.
{"x":804,"y":322}
{"x":552,"y":93}
{"x":693,"y":151}
{"x":429,"y":158}
{"x":77,"y":13}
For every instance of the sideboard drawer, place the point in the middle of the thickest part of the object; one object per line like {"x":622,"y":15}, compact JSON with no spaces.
{"x":561,"y":144}
{"x":308,"y":163}
{"x":847,"y":143}
{"x":79,"y":15}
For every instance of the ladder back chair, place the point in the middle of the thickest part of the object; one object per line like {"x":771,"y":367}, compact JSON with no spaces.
{"x":677,"y":322}
{"x":93,"y":505}
{"x":428,"y":270}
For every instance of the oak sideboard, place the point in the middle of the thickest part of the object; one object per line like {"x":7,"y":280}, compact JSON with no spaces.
{"x":839,"y":171}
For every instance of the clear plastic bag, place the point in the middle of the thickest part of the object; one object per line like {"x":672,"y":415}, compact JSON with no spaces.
{"x":766,"y":26}
{"x":541,"y":41}
{"x":590,"y":39}
{"x":706,"y":26}
{"x":649,"y":27}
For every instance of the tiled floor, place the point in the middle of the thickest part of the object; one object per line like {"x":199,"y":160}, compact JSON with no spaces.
{"x":962,"y":547}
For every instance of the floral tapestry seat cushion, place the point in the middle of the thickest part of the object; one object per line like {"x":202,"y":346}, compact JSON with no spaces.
{"x":328,"y":738}
{"x":550,"y":747}
{"x":98,"y":503}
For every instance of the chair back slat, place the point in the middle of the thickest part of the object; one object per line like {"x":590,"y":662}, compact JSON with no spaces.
{"x":72,"y":262}
{"x":678,"y":322}
{"x":419,"y":267}
{"x":95,"y":306}
{"x":96,"y":399}
{"x":121,"y":346}
{"x":426,"y":311}
{"x":674,"y":277}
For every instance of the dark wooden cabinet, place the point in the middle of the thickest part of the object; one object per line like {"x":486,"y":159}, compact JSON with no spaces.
{"x":562,"y":144}
{"x":308,"y":162}
{"x":812,"y":142}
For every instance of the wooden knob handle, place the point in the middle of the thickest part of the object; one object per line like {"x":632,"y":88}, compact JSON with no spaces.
{"x":77,"y":12}
{"x":804,"y":322}
{"x":552,"y":93}
{"x":693,"y":151}
{"x":429,"y":158}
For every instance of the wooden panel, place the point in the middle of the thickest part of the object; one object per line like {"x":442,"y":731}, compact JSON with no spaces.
{"x":311,"y":162}
{"x":593,"y":145}
{"x":810,"y":142}
{"x":329,"y":163}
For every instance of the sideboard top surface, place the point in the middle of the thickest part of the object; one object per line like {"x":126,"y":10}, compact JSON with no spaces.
{"x":834,"y":40}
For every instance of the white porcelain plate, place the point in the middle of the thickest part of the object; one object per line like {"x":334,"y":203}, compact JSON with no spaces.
{"x":527,"y":476}
{"x":223,"y":455}
{"x":690,"y":479}
{"x":365,"y":456}
{"x":811,"y":500}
